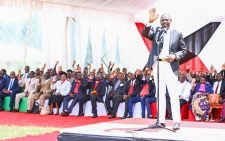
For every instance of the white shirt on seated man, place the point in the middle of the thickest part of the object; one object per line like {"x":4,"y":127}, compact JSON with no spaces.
{"x":185,"y":89}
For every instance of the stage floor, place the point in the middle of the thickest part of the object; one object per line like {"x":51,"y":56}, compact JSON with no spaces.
{"x":206,"y":131}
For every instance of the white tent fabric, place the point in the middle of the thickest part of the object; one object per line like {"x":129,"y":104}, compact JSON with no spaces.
{"x":113,"y":19}
{"x":124,"y":6}
{"x":119,"y":30}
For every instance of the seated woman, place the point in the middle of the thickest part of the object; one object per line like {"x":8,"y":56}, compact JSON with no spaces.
{"x":199,"y":100}
{"x":60,"y":89}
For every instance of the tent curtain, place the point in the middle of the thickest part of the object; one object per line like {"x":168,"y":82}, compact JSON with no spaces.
{"x":67,"y":32}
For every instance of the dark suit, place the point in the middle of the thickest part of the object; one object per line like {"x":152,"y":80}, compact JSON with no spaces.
{"x":116,"y":95}
{"x":14,"y":88}
{"x":2,"y":83}
{"x":110,"y":88}
{"x":149,"y":98}
{"x":222,"y":90}
{"x":100,"y":89}
{"x":133,"y":96}
{"x":80,"y":97}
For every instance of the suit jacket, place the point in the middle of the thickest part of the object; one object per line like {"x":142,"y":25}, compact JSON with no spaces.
{"x":176,"y":46}
{"x":136,"y":88}
{"x":45,"y":86}
{"x":101,"y":88}
{"x":2,"y":83}
{"x":83,"y":87}
{"x":120,"y":89}
{"x":222,"y":89}
{"x":31,"y":85}
{"x":14,"y":87}
{"x":151,"y":87}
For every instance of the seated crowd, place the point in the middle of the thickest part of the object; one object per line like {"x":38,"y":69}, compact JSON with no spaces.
{"x":67,"y":88}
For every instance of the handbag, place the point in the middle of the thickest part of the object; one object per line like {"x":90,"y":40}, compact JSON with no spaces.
{"x":44,"y":111}
{"x":214,"y":98}
{"x":36,"y":108}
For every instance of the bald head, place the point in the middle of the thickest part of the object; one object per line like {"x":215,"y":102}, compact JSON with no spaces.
{"x":165,"y":20}
{"x":12,"y":74}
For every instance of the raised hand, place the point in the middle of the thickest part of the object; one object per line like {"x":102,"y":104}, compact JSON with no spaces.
{"x":152,"y":15}
{"x":57,"y":62}
{"x":74,"y":62}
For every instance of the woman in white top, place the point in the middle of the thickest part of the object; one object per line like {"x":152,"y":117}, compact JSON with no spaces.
{"x":61,"y":88}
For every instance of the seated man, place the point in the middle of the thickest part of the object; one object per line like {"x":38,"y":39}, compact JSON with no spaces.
{"x":132,"y":94}
{"x":2,"y":81}
{"x":97,"y":91}
{"x":117,"y":94}
{"x":77,"y":91}
{"x":31,"y":86}
{"x":44,"y":93}
{"x":11,"y":89}
{"x":185,"y":88}
{"x":219,"y":88}
{"x":147,"y":94}
{"x":110,"y":84}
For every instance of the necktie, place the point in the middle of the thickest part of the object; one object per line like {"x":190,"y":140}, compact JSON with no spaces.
{"x":76,"y":90}
{"x":10,"y":84}
{"x":96,"y":84}
{"x":131,"y":87}
{"x":217,"y":87}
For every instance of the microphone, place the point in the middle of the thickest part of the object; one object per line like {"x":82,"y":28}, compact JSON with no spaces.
{"x":164,"y":29}
{"x":160,"y":33}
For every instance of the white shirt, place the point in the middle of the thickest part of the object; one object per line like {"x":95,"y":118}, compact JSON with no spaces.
{"x":62,"y":88}
{"x":215,"y":85}
{"x":185,"y":90}
{"x":166,"y":41}
{"x":11,"y":83}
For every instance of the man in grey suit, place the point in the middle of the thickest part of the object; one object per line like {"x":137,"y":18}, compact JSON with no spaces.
{"x":171,"y":50}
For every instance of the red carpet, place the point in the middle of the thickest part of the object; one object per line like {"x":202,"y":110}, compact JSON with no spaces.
{"x":23,"y":119}
{"x":47,"y":120}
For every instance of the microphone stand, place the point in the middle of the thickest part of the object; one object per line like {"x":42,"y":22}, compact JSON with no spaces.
{"x":159,"y":39}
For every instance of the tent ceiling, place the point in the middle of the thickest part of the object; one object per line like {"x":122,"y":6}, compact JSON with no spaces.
{"x":127,"y":6}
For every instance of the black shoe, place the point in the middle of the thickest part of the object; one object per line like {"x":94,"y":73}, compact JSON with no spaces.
{"x":81,"y":115}
{"x":111,"y":117}
{"x":157,"y":125}
{"x":29,"y":111}
{"x":149,"y":116}
{"x":95,"y":116}
{"x":16,"y":110}
{"x":1,"y":110}
{"x":176,"y":126}
{"x":123,"y":117}
{"x":64,"y":114}
{"x":109,"y":113}
{"x":10,"y":110}
{"x":130,"y":117}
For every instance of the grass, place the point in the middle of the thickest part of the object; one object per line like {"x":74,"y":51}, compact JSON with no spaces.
{"x":9,"y":132}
